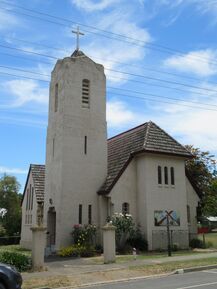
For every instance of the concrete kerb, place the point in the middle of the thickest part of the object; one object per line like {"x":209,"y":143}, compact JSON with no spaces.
{"x":114,"y":281}
{"x":179,"y":271}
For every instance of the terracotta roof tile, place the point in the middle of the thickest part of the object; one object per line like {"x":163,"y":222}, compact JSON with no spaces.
{"x":147,"y":137}
{"x":38,"y":175}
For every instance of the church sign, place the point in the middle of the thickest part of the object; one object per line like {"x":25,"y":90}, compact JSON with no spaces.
{"x":160,"y":218}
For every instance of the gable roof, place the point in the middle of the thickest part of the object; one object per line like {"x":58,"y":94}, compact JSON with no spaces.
{"x":148,"y":138}
{"x":38,"y":176}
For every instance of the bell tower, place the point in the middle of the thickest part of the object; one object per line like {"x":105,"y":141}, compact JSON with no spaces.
{"x":76,"y":154}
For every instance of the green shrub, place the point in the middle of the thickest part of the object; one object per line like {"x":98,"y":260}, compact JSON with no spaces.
{"x":196,"y":243}
{"x":76,"y":251}
{"x":2,"y":231}
{"x":209,"y":244}
{"x":138,"y":241}
{"x":87,"y":251}
{"x":84,"y":235}
{"x":18,"y":260}
{"x":70,"y":251}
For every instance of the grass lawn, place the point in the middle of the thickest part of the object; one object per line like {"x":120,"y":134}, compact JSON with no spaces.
{"x":126,"y":258}
{"x":210,"y":237}
{"x":15,"y":248}
{"x":100,"y":276}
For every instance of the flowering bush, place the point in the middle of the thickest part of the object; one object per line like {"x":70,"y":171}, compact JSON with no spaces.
{"x":84,"y":235}
{"x":124,"y":228}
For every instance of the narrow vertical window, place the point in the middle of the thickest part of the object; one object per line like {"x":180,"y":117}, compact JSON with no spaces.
{"x":56,"y":98}
{"x":90,"y":214}
{"x":172,"y":176}
{"x":85,"y":93}
{"x":159,"y":175}
{"x":125,"y":208}
{"x":166,"y":175}
{"x":85,"y":145}
{"x":80,"y":214}
{"x":188,"y":214}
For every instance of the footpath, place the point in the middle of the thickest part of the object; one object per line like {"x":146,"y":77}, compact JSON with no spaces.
{"x":73,"y":273}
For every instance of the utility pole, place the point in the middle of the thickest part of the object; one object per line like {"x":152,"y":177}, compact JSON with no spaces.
{"x":168,"y":234}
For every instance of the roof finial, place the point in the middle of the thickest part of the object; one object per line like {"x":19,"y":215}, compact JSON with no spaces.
{"x":78,"y":33}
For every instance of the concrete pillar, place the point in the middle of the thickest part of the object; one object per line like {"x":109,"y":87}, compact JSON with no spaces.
{"x":38,"y":246}
{"x":109,"y":247}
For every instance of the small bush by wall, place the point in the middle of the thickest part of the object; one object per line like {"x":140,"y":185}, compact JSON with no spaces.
{"x":18,"y":260}
{"x":196,"y":243}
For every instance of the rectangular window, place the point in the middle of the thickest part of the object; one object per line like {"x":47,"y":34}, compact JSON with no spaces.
{"x":80,"y":215}
{"x":85,"y":145}
{"x":172,"y":176}
{"x":188,"y":214}
{"x":90,"y":214}
{"x":165,"y":175}
{"x":159,"y":175}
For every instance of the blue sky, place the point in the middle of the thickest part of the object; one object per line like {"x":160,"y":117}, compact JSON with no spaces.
{"x":167,"y":55}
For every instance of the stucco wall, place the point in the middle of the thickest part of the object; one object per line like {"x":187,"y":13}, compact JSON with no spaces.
{"x":125,"y":190}
{"x":26,"y":233}
{"x":192,"y":199}
{"x":152,"y":197}
{"x":73,"y":177}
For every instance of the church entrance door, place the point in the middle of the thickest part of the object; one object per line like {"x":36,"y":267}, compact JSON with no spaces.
{"x":51,"y":229}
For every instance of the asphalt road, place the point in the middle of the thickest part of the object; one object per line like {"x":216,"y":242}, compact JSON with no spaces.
{"x":202,"y":280}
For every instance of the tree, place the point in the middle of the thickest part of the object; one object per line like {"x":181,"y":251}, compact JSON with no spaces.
{"x":11,"y":201}
{"x":202,"y":170}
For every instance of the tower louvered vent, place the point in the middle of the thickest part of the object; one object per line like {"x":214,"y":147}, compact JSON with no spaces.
{"x":85,"y":93}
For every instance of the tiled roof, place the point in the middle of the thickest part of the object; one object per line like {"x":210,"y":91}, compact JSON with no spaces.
{"x":147,"y":137}
{"x":38,"y":175}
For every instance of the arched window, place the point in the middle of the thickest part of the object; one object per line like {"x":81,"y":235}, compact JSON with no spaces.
{"x":172,"y":176}
{"x":125,"y":208}
{"x":159,"y":171}
{"x":165,"y":175}
{"x":56,"y":98}
{"x":85,"y":93}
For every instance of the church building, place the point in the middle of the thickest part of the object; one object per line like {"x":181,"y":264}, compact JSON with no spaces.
{"x":87,"y":177}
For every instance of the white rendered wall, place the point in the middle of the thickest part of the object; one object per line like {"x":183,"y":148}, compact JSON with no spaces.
{"x":26,"y":233}
{"x":152,"y":197}
{"x":72,"y":177}
{"x":125,"y":190}
{"x":193,"y":200}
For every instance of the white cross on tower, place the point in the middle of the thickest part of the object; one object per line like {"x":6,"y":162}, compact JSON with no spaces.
{"x":78,"y":33}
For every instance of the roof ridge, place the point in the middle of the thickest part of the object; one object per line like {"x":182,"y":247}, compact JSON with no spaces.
{"x":124,"y":132}
{"x":171,"y":137}
{"x":146,"y":134}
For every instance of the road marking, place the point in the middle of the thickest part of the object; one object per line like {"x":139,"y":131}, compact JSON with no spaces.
{"x":198,"y":285}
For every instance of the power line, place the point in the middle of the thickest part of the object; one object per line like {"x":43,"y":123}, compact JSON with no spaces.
{"x":112,"y":61}
{"x":117,"y":71}
{"x":167,"y":102}
{"x":116,"y":77}
{"x":162,"y":80}
{"x":131,"y":91}
{"x":149,"y":45}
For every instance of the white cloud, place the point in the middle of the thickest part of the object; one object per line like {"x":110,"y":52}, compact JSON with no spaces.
{"x":118,"y":114}
{"x":12,"y":170}
{"x":26,"y":91}
{"x":201,"y":62}
{"x":91,"y":6}
{"x":7,"y":20}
